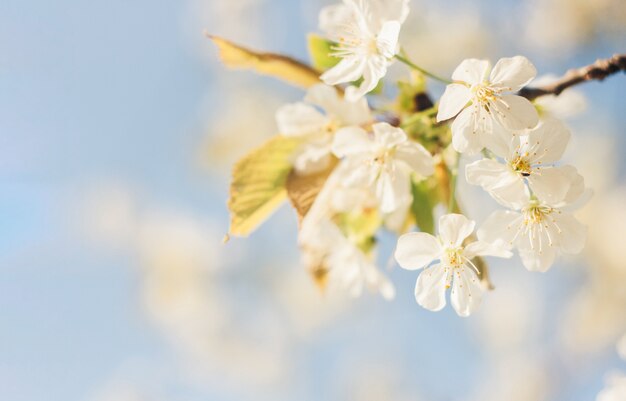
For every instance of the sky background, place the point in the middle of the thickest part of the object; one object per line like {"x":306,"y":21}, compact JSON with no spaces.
{"x":118,"y":127}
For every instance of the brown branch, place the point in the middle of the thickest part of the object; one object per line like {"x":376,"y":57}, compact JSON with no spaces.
{"x":596,"y":71}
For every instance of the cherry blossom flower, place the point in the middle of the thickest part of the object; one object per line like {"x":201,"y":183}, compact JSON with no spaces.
{"x":324,"y":244}
{"x":485,"y":101}
{"x":525,"y":158}
{"x":367,"y":36}
{"x":303,"y":119}
{"x":540,"y":229}
{"x":455,"y":268}
{"x":382,"y":162}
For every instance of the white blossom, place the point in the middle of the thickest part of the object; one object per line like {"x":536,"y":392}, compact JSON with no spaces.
{"x":540,"y":229}
{"x":485,"y":101}
{"x":304,"y":119}
{"x":324,"y":244}
{"x":455,"y":268}
{"x":383,"y":162}
{"x":527,"y":158}
{"x":366,"y":32}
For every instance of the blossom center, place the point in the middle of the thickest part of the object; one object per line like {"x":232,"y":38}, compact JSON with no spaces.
{"x":453,"y":257}
{"x":383,"y":155}
{"x":521,"y":165}
{"x":536,"y":214}
{"x":484,"y":93}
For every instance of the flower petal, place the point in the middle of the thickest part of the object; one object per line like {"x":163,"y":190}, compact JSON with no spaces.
{"x":548,"y":141}
{"x":538,"y":261}
{"x":455,"y":97}
{"x":501,"y":225}
{"x":466,"y":292}
{"x":351,"y":141}
{"x":549,"y":184}
{"x":388,"y":135}
{"x":392,"y":190}
{"x":416,"y":250}
{"x":572,"y":235}
{"x":416,"y":157}
{"x":471,"y":71}
{"x":503,"y":184}
{"x":515,"y":112}
{"x":347,"y":70}
{"x":454,"y":228}
{"x":299,"y":119}
{"x":576,"y":186}
{"x":482,"y":248}
{"x":512,"y":73}
{"x":430,"y":289}
{"x":387,"y":39}
{"x":375,"y":69}
{"x":465,"y":138}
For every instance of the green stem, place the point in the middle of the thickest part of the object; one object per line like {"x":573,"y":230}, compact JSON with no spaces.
{"x":420,"y":69}
{"x":453,"y":207}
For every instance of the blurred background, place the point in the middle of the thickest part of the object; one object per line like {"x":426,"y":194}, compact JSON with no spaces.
{"x":118,"y":127}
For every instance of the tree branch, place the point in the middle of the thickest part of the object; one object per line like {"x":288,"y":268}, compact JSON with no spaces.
{"x":596,"y":71}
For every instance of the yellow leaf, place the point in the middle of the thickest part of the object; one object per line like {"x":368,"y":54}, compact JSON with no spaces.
{"x":276,"y":65}
{"x":258,"y":184}
{"x":303,"y":189}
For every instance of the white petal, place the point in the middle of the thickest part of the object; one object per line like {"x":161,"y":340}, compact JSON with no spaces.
{"x":416,"y":157}
{"x":471,"y":71}
{"x":501,"y":225}
{"x":499,"y":140}
{"x":387,"y":39}
{"x":503,"y":184}
{"x":388,"y":10}
{"x":348,"y":69}
{"x":549,"y":184}
{"x":548,"y":141}
{"x":466,"y":292}
{"x":324,"y":96}
{"x":572,"y":235}
{"x":455,"y":97}
{"x":576,"y":186}
{"x":314,"y":156}
{"x":299,"y":119}
{"x":454,"y":228}
{"x":388,"y":135}
{"x":513,"y":73}
{"x":392,"y":190}
{"x":351,"y":141}
{"x":416,"y":250}
{"x":465,"y":139}
{"x":482,"y":248}
{"x":430,"y":289}
{"x":487,"y":173}
{"x":515,"y":112}
{"x":538,"y":261}
{"x":375,"y":68}
{"x":333,"y":17}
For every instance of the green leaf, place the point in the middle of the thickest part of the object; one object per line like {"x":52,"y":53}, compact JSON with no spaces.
{"x":424,"y":200}
{"x":258,"y":184}
{"x":320,"y":50}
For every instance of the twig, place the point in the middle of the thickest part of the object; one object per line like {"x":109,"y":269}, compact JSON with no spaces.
{"x":596,"y":71}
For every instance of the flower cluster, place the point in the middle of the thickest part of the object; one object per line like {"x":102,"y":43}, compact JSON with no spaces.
{"x":351,"y":171}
